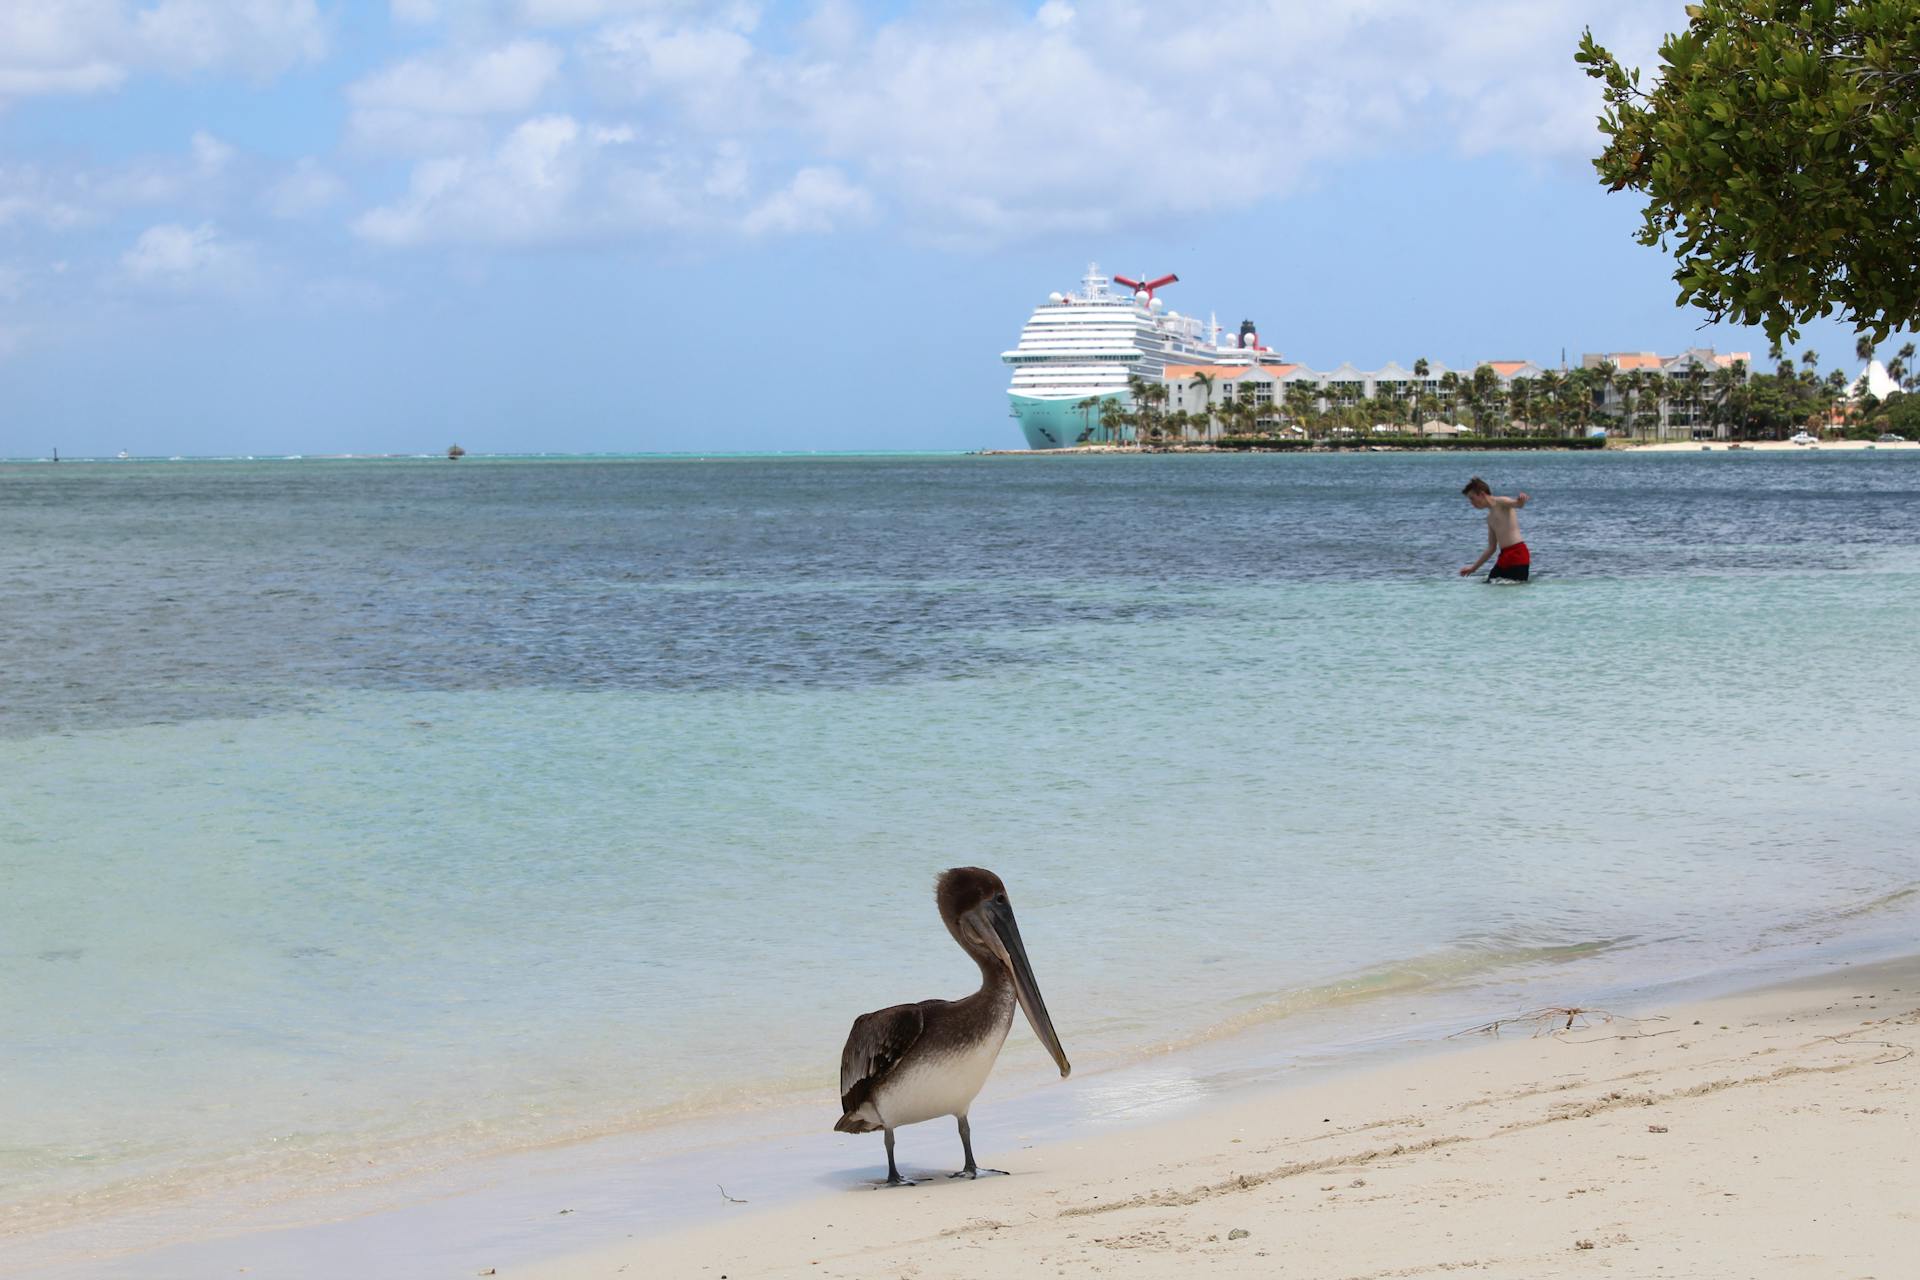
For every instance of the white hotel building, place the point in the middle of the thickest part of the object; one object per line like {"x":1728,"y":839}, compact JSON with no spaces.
{"x":1263,"y":384}
{"x":1269,"y":383}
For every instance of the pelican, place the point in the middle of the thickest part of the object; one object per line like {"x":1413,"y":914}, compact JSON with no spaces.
{"x":917,"y":1062}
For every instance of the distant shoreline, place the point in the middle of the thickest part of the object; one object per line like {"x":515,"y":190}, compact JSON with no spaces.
{"x":1316,"y":447}
{"x":1488,"y":446}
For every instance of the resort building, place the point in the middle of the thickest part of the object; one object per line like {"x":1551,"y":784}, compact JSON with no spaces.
{"x":1671,"y":397}
{"x":1201,"y":388}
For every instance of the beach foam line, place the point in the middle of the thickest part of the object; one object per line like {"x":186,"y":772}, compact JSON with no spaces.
{"x":1456,"y":967}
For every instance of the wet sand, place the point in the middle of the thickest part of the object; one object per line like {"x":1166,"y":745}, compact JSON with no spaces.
{"x":1770,"y":1134}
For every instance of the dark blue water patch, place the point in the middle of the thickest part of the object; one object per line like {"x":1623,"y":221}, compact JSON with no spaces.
{"x":159,"y":592}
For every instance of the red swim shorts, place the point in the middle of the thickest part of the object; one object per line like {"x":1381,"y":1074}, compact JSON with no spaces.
{"x":1512,"y":566}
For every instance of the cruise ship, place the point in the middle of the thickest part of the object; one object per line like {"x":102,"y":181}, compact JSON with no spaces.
{"x":1083,"y":346}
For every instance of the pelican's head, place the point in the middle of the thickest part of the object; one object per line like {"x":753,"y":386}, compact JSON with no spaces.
{"x":974,"y":904}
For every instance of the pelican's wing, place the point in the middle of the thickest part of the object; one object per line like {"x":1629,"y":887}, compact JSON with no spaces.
{"x":877,"y":1042}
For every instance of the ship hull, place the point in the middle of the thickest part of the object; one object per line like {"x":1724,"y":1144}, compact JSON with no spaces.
{"x":1060,"y":424}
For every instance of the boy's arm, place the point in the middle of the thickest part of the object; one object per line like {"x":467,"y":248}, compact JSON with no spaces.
{"x":1514,"y":503}
{"x":1493,"y":545}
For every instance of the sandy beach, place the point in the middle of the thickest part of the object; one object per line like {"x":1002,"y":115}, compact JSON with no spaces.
{"x":1767,"y":1134}
{"x":1361,"y":445}
{"x":1776,"y":446}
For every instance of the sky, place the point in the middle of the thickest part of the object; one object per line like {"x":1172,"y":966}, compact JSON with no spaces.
{"x":289,"y":226}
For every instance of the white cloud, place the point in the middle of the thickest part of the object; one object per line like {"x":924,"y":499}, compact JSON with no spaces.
{"x":86,"y":77}
{"x":973,"y":123}
{"x":1103,"y":115}
{"x":500,"y":80}
{"x":91,"y":46}
{"x":64,"y":48}
{"x":199,"y":177}
{"x":574,"y":13}
{"x":306,"y":190}
{"x":521,"y":192}
{"x":29,"y":195}
{"x":189,"y":259}
{"x":260,"y":37}
{"x":816,"y":201}
{"x":552,"y":180}
{"x":700,"y":70}
{"x":210,"y":155}
{"x":436,"y":104}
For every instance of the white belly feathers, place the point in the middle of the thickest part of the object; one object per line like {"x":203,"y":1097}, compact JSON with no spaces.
{"x":930,"y":1085}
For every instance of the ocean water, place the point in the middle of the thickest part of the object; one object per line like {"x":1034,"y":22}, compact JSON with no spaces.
{"x":363,"y":818}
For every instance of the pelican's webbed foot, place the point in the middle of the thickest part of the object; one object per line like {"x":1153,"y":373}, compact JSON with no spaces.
{"x":971,"y":1170}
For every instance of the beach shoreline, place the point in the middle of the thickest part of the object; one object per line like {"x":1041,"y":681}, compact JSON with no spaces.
{"x":1359,"y":445}
{"x":1769,"y":1133}
{"x":1162,"y":1162}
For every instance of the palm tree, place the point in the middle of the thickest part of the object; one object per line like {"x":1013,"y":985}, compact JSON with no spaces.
{"x":1720,"y":410}
{"x":1605,"y":374}
{"x":1635,"y":384}
{"x":1863,"y":348}
{"x":1907,"y":375}
{"x":1228,"y":413}
{"x":1297,"y":397}
{"x":1139,"y":390}
{"x":1086,"y":408}
{"x":1203,"y":383}
{"x":1421,"y":367}
{"x":1521,"y":396}
{"x":1476,"y":391}
{"x":1735,"y":406}
{"x":1450,"y":394}
{"x":1668,"y":387}
{"x":1696,"y":379}
{"x":1553,"y":400}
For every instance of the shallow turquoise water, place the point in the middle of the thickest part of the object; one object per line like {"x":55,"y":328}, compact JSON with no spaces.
{"x":371,"y":816}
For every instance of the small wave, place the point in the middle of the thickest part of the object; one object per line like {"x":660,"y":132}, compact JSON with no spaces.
{"x":1471,"y":960}
{"x":1835,"y":917}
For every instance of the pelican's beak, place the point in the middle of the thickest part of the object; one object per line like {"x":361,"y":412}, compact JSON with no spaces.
{"x":1002,"y":935}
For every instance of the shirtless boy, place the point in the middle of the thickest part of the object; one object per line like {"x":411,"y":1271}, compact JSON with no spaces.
{"x":1503,"y":533}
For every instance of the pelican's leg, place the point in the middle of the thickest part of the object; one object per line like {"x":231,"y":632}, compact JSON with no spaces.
{"x":966,"y":1145}
{"x":893,"y":1171}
